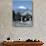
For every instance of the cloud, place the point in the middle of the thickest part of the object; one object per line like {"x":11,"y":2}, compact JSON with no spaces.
{"x":22,"y":7}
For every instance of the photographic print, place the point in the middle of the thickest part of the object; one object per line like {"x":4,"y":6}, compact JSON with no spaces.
{"x":22,"y":13}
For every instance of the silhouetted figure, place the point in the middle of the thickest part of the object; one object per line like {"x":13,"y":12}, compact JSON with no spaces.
{"x":31,"y":18}
{"x":13,"y":15}
{"x":18,"y":17}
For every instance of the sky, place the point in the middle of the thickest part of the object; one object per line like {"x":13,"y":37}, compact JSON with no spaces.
{"x":22,"y":4}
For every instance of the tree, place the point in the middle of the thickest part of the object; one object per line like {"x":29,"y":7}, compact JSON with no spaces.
{"x":13,"y":15}
{"x":18,"y":17}
{"x":18,"y":14}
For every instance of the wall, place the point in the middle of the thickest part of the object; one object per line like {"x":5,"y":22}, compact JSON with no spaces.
{"x":38,"y":31}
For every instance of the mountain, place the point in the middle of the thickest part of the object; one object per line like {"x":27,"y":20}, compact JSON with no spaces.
{"x":23,"y":11}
